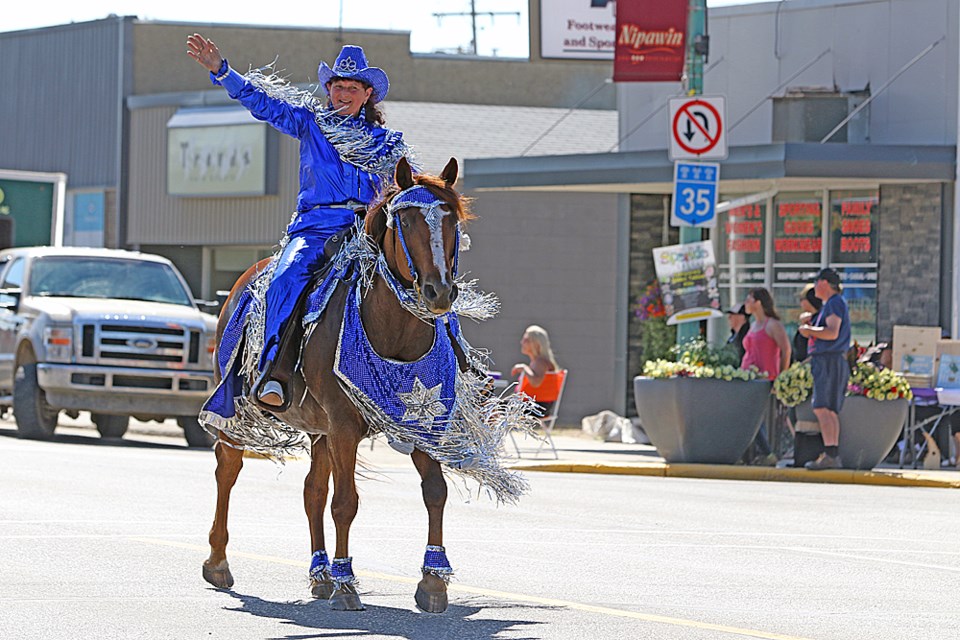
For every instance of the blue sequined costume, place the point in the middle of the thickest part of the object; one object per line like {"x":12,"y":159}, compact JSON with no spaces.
{"x":343,"y":162}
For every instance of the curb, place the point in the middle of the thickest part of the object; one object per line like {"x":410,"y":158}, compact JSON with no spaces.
{"x":880,"y":477}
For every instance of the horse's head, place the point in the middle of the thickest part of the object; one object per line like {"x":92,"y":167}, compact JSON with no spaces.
{"x":417,"y":228}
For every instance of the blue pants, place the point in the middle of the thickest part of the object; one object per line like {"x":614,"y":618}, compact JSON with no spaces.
{"x":301,"y":258}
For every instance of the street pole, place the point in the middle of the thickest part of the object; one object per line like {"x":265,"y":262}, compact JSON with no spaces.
{"x":696,"y":55}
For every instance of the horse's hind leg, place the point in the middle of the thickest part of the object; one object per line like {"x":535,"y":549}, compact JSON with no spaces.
{"x":343,"y":457}
{"x":315,"y":489}
{"x":216,"y":571}
{"x":431,"y":593}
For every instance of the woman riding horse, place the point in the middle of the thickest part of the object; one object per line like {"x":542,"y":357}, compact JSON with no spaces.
{"x":384,"y":352}
{"x":345,"y":157}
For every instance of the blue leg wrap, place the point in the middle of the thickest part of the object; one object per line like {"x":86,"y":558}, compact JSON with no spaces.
{"x":320,"y":566}
{"x":342,"y":572}
{"x":435,"y":562}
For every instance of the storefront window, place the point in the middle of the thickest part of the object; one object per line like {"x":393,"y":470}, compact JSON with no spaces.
{"x":797,"y":228}
{"x":853,"y":226}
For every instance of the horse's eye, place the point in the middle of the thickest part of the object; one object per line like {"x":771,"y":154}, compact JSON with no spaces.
{"x":405,"y":221}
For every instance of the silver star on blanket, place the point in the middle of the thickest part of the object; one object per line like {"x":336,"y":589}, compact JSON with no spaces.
{"x":422,"y":404}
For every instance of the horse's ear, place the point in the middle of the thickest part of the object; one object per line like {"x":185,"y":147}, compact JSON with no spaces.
{"x":404,"y":174}
{"x":449,"y":173}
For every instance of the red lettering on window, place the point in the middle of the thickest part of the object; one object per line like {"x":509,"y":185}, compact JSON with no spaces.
{"x":855,"y":227}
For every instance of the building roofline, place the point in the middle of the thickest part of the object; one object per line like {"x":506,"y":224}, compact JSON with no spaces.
{"x":652,"y":171}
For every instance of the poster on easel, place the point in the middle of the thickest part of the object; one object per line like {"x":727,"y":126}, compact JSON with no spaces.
{"x":688,"y":281}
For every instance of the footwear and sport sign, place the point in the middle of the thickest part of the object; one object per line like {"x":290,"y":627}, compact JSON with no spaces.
{"x":577,"y":29}
{"x":651,"y":40}
{"x":697,"y":128}
{"x":695,"y":194}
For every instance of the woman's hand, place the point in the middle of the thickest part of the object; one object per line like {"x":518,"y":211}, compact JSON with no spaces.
{"x":517,"y":369}
{"x":205,"y":52}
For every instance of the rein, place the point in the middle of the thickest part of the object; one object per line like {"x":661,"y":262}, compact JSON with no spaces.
{"x":419,"y":197}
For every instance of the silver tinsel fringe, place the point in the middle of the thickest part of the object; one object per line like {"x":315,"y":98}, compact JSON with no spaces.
{"x":349,"y":136}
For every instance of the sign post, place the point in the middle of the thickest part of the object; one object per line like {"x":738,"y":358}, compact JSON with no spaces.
{"x":697,"y":45}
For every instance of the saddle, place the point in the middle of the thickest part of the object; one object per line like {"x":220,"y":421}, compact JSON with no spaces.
{"x":286,"y":364}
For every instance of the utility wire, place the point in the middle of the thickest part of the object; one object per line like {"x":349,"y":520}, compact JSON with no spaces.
{"x":659,"y":109}
{"x":780,"y":86}
{"x":883,"y":87}
{"x":563,"y":117}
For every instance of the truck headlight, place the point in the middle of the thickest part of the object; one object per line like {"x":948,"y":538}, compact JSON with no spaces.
{"x":58,"y":341}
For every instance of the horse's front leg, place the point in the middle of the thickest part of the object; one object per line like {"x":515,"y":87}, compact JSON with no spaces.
{"x":342,"y":447}
{"x":431,"y":593}
{"x":216,"y":570}
{"x":315,"y":490}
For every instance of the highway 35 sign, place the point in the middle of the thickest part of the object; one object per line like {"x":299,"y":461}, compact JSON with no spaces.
{"x":697,"y":128}
{"x":695,"y":194}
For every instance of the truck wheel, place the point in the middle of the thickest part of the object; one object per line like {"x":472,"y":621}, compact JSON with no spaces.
{"x":36,"y":419}
{"x":195,"y":434}
{"x":110,"y":426}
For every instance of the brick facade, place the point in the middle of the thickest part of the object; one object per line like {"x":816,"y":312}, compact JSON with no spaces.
{"x":647,"y":223}
{"x":908,"y":279}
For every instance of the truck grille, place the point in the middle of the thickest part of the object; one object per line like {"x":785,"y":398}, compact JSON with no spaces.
{"x":138,"y":344}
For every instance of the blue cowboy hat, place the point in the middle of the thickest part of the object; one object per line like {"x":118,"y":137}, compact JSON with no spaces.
{"x":352,"y":65}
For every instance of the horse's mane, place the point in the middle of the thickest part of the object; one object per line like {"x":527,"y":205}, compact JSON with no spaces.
{"x":375,"y":222}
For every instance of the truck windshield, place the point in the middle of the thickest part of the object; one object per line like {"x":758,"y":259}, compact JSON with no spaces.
{"x":84,"y":277}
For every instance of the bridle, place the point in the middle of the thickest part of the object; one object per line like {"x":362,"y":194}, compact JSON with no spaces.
{"x":430,"y":206}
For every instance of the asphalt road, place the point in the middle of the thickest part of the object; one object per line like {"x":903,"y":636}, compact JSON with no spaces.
{"x":105,"y":540}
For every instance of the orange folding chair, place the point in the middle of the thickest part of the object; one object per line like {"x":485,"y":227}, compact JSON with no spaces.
{"x":551,"y":389}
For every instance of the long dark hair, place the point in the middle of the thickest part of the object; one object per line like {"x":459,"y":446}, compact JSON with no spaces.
{"x":763,"y":296}
{"x":372,"y":113}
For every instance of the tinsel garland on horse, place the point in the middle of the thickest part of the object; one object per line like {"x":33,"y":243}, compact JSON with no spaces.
{"x":381,"y":353}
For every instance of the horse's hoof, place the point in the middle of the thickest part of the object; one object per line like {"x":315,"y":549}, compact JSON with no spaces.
{"x":321,"y":588}
{"x":346,"y":599}
{"x":431,"y":594}
{"x":218,"y":574}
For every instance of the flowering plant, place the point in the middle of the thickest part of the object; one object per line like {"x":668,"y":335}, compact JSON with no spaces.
{"x":698,"y":359}
{"x":878,"y":384}
{"x":650,"y":304}
{"x":667,"y":369}
{"x":794,"y":385}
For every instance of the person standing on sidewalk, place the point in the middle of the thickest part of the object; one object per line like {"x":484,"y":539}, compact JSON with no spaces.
{"x":830,"y":334}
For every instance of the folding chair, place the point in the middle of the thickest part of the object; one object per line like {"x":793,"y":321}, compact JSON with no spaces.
{"x":549,"y":420}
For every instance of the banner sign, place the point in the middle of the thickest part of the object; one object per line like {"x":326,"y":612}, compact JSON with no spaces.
{"x":577,"y":29}
{"x":651,"y":41}
{"x":688,"y":281}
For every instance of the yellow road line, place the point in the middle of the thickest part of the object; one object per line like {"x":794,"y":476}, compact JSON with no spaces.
{"x":505,"y":595}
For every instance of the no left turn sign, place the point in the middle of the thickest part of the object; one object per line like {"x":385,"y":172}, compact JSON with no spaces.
{"x":697,"y":128}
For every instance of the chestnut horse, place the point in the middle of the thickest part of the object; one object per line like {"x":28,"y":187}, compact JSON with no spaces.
{"x":328,"y":416}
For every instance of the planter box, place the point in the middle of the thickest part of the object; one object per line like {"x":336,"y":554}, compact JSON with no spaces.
{"x":701,"y":419}
{"x":868,"y":428}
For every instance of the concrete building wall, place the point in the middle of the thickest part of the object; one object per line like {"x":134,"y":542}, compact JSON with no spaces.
{"x":161,"y":219}
{"x":552,"y":260}
{"x":61,"y":102}
{"x":761,"y":50}
{"x":160,"y":65}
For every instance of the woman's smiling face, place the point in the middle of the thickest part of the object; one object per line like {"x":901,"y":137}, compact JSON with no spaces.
{"x":348,"y":96}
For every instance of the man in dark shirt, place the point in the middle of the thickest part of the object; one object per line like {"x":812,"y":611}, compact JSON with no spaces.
{"x":739,"y":321}
{"x":830,"y":333}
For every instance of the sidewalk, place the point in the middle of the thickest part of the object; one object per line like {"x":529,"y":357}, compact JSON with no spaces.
{"x":581,"y":454}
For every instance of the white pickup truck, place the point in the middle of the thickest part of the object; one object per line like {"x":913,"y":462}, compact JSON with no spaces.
{"x":116,"y":333}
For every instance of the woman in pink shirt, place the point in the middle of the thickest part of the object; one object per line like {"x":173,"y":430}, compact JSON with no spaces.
{"x":766,"y":345}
